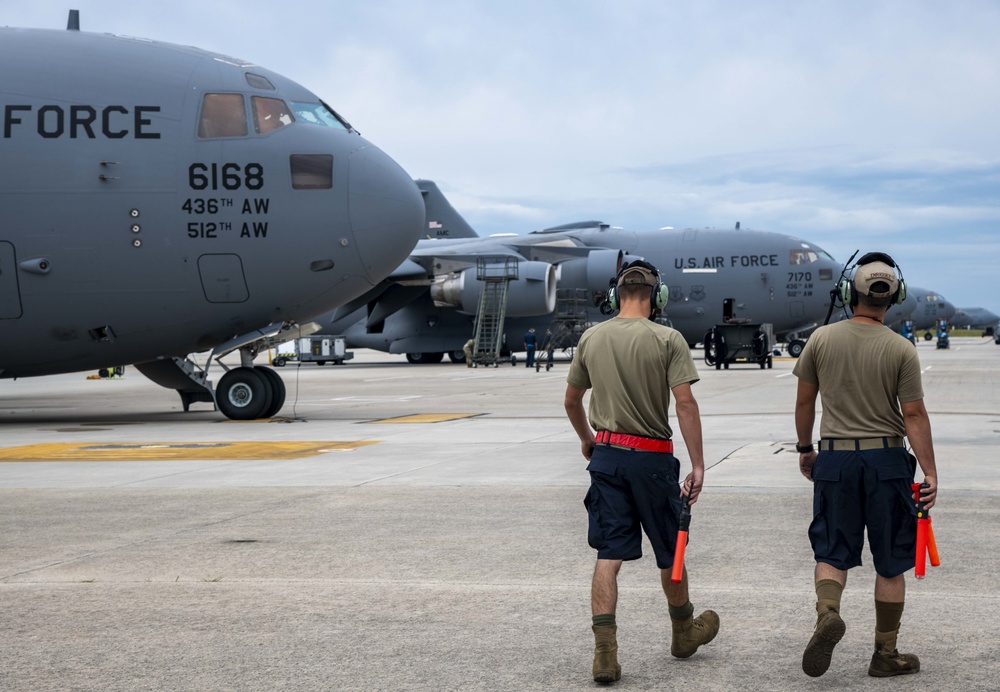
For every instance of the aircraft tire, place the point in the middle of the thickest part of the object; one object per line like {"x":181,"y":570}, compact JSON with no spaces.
{"x":244,"y":394}
{"x":277,"y":391}
{"x":456,"y":356}
{"x":424,"y":358}
{"x":928,"y":336}
{"x":795,"y":348}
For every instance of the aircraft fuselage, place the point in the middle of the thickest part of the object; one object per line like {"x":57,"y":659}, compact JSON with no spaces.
{"x":159,"y":200}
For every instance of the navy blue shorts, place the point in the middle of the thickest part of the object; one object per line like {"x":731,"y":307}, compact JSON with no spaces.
{"x":631,"y":492}
{"x":854,"y":491}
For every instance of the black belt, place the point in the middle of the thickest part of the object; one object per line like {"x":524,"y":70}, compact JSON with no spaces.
{"x":859,"y":444}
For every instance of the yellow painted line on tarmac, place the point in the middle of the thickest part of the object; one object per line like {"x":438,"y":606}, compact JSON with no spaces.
{"x":426,"y":418}
{"x":173,"y":451}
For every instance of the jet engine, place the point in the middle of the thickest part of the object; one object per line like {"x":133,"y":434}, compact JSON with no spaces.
{"x":532,"y":293}
{"x":592,"y":272}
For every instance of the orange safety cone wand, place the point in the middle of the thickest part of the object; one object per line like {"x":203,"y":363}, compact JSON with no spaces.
{"x":926,"y":545}
{"x":684,"y":523}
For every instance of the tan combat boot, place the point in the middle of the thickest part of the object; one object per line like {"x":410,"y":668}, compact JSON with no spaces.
{"x":690,"y":633}
{"x":830,"y":629}
{"x":886,"y":661}
{"x":606,"y":668}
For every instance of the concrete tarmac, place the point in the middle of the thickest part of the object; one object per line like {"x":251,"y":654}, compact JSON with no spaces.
{"x":141,"y":548}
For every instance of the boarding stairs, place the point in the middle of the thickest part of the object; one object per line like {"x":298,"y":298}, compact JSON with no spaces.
{"x":571,"y":321}
{"x":495,"y":274}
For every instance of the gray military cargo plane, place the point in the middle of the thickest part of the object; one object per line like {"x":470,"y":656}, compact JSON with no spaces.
{"x":426,"y":307}
{"x":975,"y":318}
{"x":161,"y":200}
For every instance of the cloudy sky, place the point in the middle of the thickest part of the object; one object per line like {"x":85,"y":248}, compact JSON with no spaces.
{"x":852,"y":124}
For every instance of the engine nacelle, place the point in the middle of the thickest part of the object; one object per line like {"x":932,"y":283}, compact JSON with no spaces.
{"x":592,"y":272}
{"x":532,"y":293}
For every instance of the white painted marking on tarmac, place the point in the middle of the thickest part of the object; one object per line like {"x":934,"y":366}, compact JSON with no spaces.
{"x":926,"y":369}
{"x":784,"y":374}
{"x":375,"y":398}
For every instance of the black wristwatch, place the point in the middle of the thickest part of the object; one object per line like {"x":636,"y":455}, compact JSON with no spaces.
{"x":804,"y":449}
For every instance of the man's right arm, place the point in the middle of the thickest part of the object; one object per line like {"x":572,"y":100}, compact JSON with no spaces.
{"x":689,"y":420}
{"x":918,"y":432}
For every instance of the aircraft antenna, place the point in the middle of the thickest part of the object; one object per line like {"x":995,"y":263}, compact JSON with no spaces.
{"x":73,"y":23}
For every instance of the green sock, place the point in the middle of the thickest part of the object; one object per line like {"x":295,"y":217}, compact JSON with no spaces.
{"x":681,"y":612}
{"x":887,"y":616}
{"x":600,"y":620}
{"x":828,"y":593}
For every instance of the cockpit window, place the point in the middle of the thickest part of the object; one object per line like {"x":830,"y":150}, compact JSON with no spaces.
{"x":259,"y":82}
{"x":270,"y":114}
{"x":222,"y":115}
{"x":798,"y":256}
{"x":318,"y":114}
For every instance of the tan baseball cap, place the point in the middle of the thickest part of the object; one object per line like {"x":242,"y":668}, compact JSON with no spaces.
{"x":638,"y":275}
{"x":868,"y":274}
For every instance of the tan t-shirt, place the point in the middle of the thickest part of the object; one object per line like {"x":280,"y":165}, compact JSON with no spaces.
{"x":863,"y":372}
{"x":631,"y":364}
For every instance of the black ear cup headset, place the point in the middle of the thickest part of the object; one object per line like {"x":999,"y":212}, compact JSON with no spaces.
{"x":847,"y":292}
{"x":657,"y":295}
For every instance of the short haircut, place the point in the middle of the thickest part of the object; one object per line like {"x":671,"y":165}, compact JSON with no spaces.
{"x":634,"y":291}
{"x":877,"y":302}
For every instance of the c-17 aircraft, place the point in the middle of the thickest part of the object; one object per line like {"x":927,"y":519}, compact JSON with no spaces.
{"x":426,"y":307}
{"x":975,"y":318}
{"x":161,"y":200}
{"x":923,"y":307}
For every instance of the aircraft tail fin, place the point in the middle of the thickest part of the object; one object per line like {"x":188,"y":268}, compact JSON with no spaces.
{"x":442,"y":219}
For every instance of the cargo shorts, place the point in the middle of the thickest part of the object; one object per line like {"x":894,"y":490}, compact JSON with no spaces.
{"x":631,"y":492}
{"x":855,"y":492}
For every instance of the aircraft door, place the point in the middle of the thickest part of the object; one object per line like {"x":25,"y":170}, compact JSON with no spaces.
{"x":222,"y":278}
{"x":10,"y":297}
{"x":728,"y":309}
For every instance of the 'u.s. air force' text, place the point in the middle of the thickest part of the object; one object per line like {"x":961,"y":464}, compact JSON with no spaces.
{"x":720,"y":261}
{"x":80,"y":122}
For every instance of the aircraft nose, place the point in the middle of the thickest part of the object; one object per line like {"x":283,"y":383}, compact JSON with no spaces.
{"x":386,"y":211}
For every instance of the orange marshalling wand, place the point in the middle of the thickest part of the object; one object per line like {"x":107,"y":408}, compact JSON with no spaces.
{"x":926,"y":545}
{"x":684,"y":523}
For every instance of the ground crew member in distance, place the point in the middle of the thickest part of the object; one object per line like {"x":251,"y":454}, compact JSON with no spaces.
{"x":869,"y":380}
{"x":530,"y":342}
{"x":633,"y":366}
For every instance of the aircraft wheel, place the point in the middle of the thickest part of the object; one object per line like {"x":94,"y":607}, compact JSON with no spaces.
{"x":244,"y":394}
{"x":277,"y":391}
{"x":795,"y":348}
{"x":928,"y":336}
{"x":456,"y":356}
{"x":424,"y":358}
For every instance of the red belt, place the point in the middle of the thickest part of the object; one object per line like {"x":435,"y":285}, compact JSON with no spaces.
{"x":646,"y":444}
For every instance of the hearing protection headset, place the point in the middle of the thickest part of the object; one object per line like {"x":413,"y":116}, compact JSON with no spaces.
{"x":848,"y":292}
{"x":658,"y":292}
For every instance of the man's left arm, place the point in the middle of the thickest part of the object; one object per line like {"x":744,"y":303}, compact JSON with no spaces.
{"x":805,"y":419}
{"x":689,"y":421}
{"x":573,"y":402}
